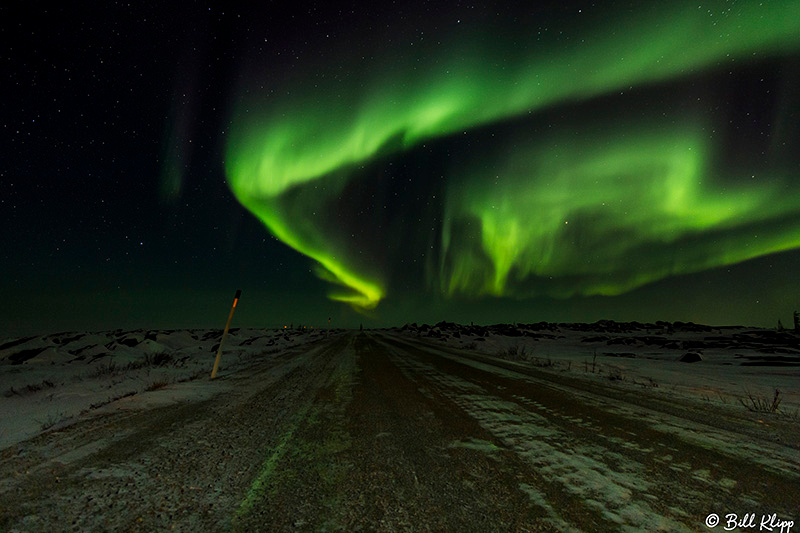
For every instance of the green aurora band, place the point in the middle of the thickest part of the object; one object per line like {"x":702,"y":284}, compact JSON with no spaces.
{"x":639,"y":197}
{"x":608,"y":212}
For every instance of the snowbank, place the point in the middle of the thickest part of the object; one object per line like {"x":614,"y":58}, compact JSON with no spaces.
{"x":49,"y":381}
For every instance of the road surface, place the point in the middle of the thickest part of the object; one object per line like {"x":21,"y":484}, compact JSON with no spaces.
{"x":370,"y":431}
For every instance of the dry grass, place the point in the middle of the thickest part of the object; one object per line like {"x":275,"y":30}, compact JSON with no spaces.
{"x":761,"y":404}
{"x":156,"y":385}
{"x":30,"y":388}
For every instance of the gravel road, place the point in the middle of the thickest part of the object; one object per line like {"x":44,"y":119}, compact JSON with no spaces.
{"x":371,"y":431}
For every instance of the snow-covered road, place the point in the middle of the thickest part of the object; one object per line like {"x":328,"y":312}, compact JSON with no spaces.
{"x":380,"y":431}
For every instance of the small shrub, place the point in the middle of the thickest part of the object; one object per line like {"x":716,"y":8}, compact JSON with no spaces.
{"x":157,"y":359}
{"x":160,"y":358}
{"x":50,"y":420}
{"x":136,"y":365}
{"x":541,"y":363}
{"x":761,"y":404}
{"x":157,"y":385}
{"x":515,"y":353}
{"x":615,"y":374}
{"x":107,"y":369}
{"x":594,"y":363}
{"x":30,"y":388}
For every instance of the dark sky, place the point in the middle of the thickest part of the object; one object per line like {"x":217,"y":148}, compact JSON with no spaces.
{"x":420,"y":161}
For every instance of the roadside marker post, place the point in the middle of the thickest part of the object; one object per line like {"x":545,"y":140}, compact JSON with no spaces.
{"x":225,"y":333}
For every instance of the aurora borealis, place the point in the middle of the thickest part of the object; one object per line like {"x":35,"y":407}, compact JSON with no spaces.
{"x":611,"y":214}
{"x":598,"y":204}
{"x":393,"y":162}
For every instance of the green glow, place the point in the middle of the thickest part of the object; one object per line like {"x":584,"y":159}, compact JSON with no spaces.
{"x":361,"y":292}
{"x":262,"y":480}
{"x":606,"y":213}
{"x":298,"y":140}
{"x":317,"y":130}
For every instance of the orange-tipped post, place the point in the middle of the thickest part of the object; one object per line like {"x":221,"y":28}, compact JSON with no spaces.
{"x":225,"y":333}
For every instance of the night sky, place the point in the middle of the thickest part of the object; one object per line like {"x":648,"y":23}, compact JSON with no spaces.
{"x":383,"y":163}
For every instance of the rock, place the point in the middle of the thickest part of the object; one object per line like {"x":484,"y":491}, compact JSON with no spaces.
{"x":690,"y":357}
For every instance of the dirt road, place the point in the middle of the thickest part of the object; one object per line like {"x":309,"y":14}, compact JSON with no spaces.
{"x":369,"y":431}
